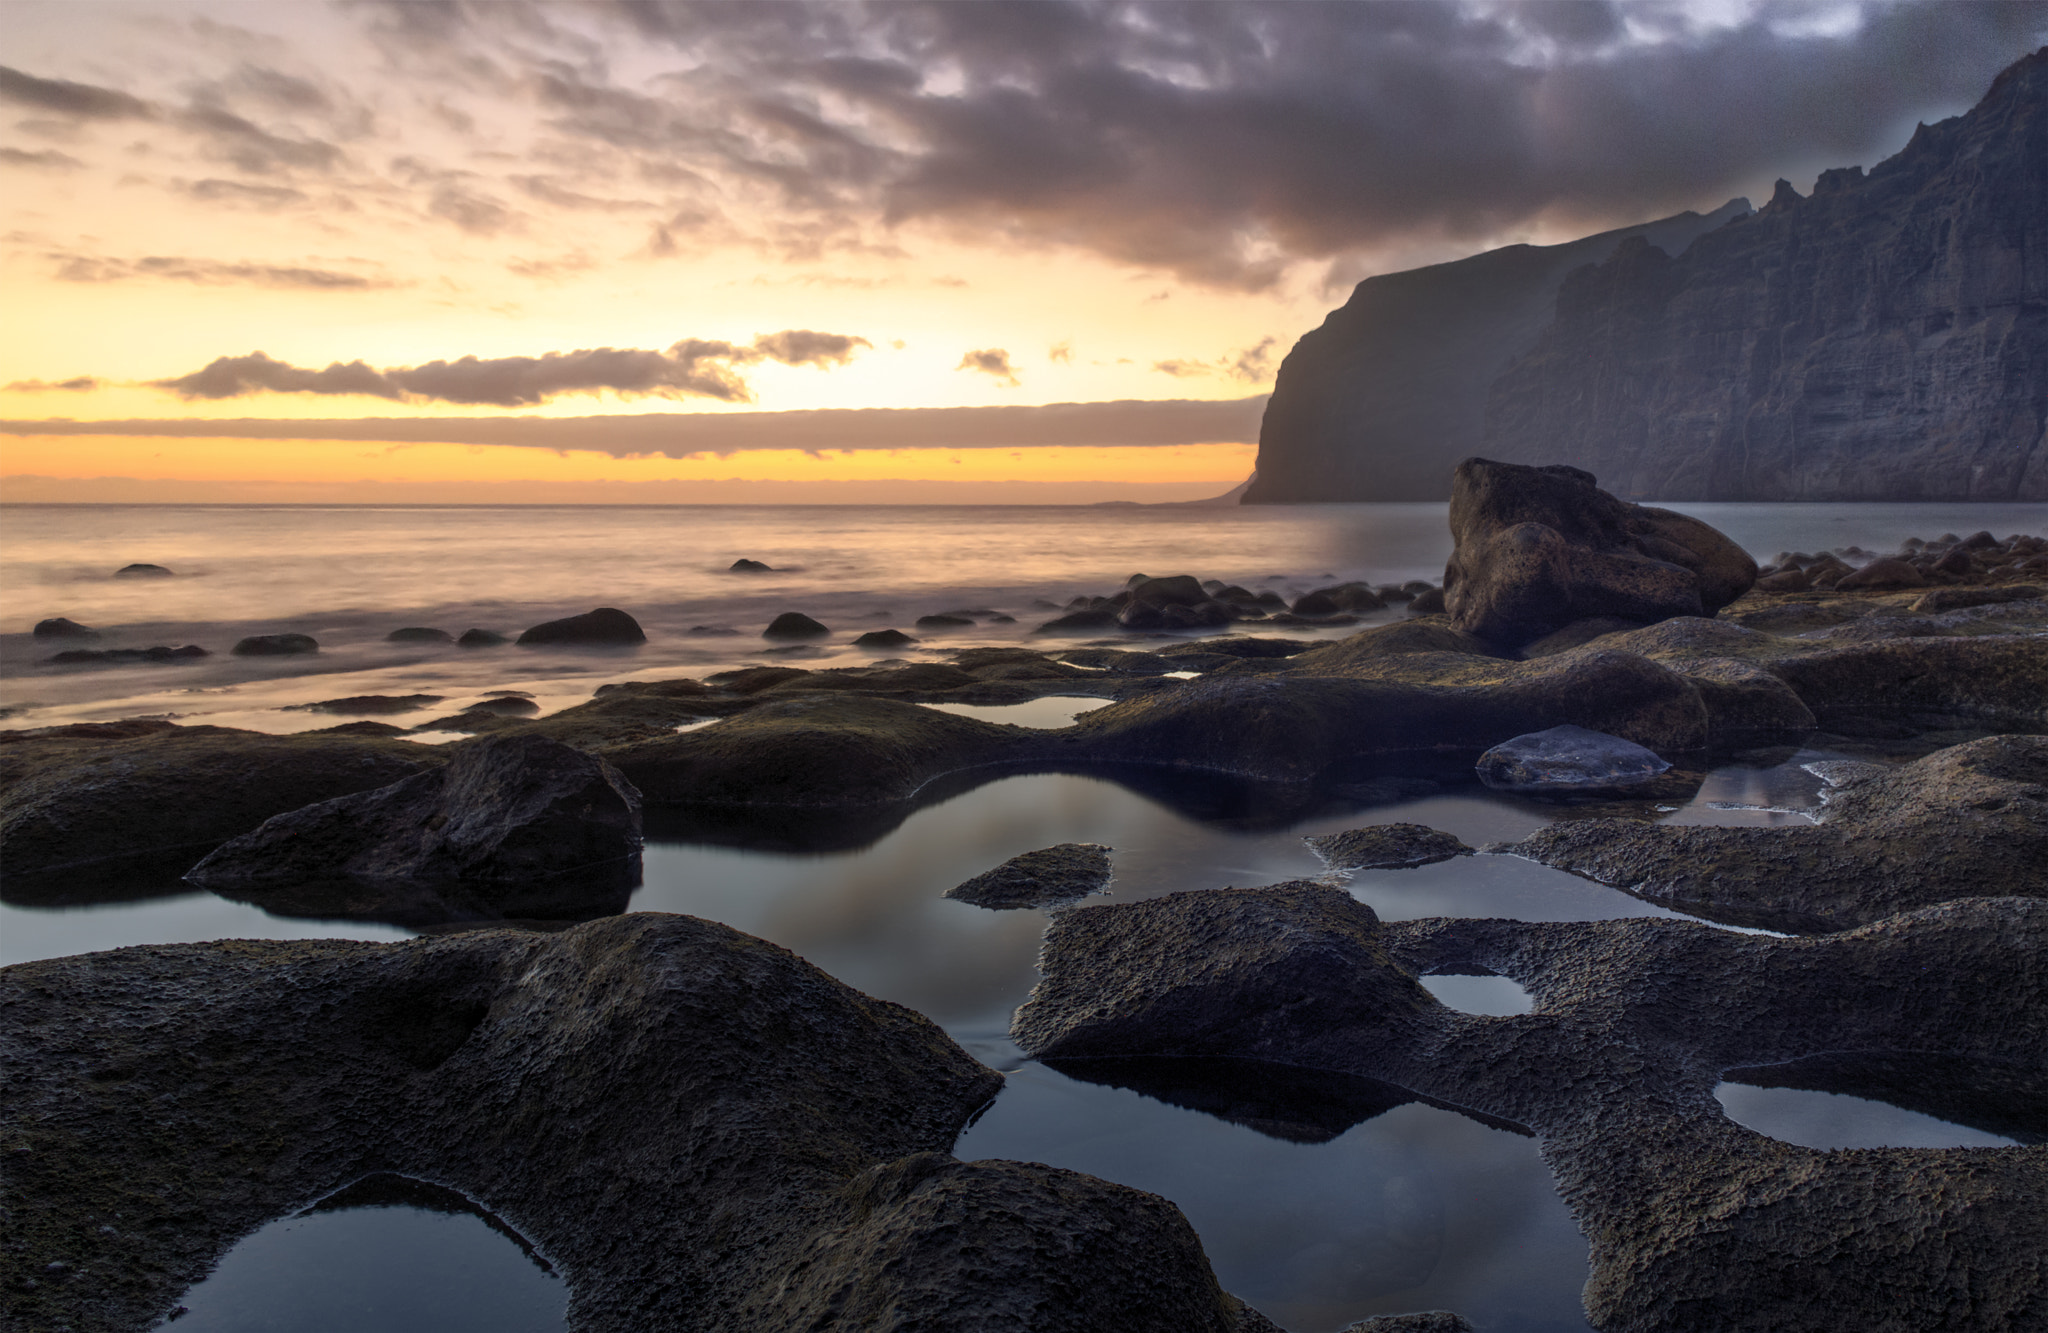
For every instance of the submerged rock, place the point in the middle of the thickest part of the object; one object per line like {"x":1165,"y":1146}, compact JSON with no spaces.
{"x":160,"y":653}
{"x":1568,"y":758}
{"x":1062,"y":874}
{"x":419,"y":634}
{"x":60,"y":628}
{"x":502,"y":811}
{"x":275,"y":645}
{"x":794,"y":625}
{"x":481,"y":638}
{"x":1386,"y":847}
{"x":607,"y":626}
{"x":1965,"y":822}
{"x":368,"y":705}
{"x":642,"y":1095}
{"x":884,"y":638}
{"x":142,"y":571}
{"x":745,"y":566}
{"x":1541,"y":547}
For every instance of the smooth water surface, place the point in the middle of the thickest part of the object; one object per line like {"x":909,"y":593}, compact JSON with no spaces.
{"x":1836,"y":1120}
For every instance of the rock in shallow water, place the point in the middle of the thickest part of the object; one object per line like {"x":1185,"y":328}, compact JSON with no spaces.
{"x":275,"y":645}
{"x":700,"y":1129}
{"x":1386,"y":847}
{"x":795,"y":625}
{"x":502,"y":811}
{"x":1567,"y":758}
{"x":607,"y":626}
{"x":1050,"y":875}
{"x":59,"y":627}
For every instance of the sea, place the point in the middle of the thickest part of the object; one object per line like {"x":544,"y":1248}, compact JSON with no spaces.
{"x":1415,"y":1208}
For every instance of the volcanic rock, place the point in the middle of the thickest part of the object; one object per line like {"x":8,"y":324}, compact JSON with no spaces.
{"x":605,"y":627}
{"x":1539,"y":548}
{"x":275,"y":645}
{"x":1386,"y":847}
{"x":1066,"y":873}
{"x":1570,"y":759}
{"x":794,"y":625}
{"x":503,"y":810}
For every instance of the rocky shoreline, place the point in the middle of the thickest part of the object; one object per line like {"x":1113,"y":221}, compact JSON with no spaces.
{"x":700,"y":1129}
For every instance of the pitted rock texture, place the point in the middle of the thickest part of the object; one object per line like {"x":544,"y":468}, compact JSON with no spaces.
{"x":1386,"y":847}
{"x":1538,"y":548}
{"x":1694,"y":1222}
{"x":1967,"y":821}
{"x":1050,"y":875}
{"x":1568,"y":758}
{"x":503,"y":810}
{"x":698,"y":1128}
{"x":1880,"y":339}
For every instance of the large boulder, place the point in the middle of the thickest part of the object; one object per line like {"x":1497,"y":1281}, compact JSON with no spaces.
{"x":700,"y":1129}
{"x":1540,"y":547}
{"x":503,"y":810}
{"x":607,"y":626}
{"x":59,"y":627}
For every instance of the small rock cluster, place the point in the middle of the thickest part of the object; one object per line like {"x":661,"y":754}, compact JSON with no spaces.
{"x":1947,"y":561}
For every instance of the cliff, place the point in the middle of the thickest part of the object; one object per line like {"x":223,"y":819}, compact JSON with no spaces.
{"x":1885,"y":338}
{"x":1379,"y":402}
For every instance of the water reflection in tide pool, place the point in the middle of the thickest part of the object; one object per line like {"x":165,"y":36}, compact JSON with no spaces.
{"x":390,"y":1255}
{"x":1813,"y":1119}
{"x":1415,"y":1208}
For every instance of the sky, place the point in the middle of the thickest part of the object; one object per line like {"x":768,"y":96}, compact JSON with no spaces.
{"x":641,"y":251}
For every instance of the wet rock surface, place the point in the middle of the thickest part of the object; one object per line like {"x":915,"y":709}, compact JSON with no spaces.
{"x":1050,"y":875}
{"x":275,"y":645}
{"x":142,"y":571}
{"x":1694,"y":1221}
{"x":794,"y":625}
{"x":639,"y":1095}
{"x":502,"y":811}
{"x":59,"y":627}
{"x":1965,"y":822}
{"x":607,"y":626}
{"x":1568,"y":758}
{"x":1538,"y":548}
{"x":1387,"y":847}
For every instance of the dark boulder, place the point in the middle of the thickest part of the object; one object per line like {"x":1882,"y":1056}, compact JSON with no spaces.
{"x":1568,"y":758}
{"x":275,"y":645}
{"x":712,"y":632}
{"x":884,"y":638}
{"x":795,"y":625}
{"x":504,"y":706}
{"x":419,"y":634}
{"x":1540,"y":547}
{"x":943,"y":622}
{"x":1423,"y":1321}
{"x":368,"y":705}
{"x":1079,"y":622}
{"x":160,"y":653}
{"x":605,"y":627}
{"x":1342,"y":597}
{"x":1886,"y":574}
{"x":1428,"y":602}
{"x":1051,"y":875}
{"x":142,"y":572}
{"x":481,"y":638}
{"x":746,"y":566}
{"x":60,"y":628}
{"x":503,"y":810}
{"x":1178,"y":590}
{"x":1386,"y":847}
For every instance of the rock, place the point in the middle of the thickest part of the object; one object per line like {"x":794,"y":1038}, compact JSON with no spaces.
{"x":640,"y":1094}
{"x":1967,"y":821}
{"x":884,"y":638}
{"x":1386,"y":847}
{"x":86,"y":801}
{"x":1578,"y":634}
{"x":942,"y":623}
{"x":1051,"y":875}
{"x":421,"y":634}
{"x":1426,"y":1321}
{"x":1686,"y":374}
{"x":1178,"y":590}
{"x":1342,"y":597}
{"x":60,"y":628}
{"x":1568,"y":758}
{"x":275,"y":645}
{"x":503,"y":810}
{"x":1883,"y":574}
{"x":1427,"y":603}
{"x":1790,"y":580}
{"x":481,"y":638}
{"x":1079,"y":622}
{"x":794,"y":625}
{"x":160,"y":653}
{"x":1539,"y":548}
{"x":1956,"y":599}
{"x":1373,"y":404}
{"x":712,"y":632}
{"x":504,"y":707}
{"x":605,"y":627}
{"x":746,"y":566}
{"x":1746,"y":703}
{"x":142,"y":572}
{"x":366,"y":705}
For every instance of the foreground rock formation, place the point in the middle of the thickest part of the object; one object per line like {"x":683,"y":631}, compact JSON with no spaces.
{"x":1695,"y":1223}
{"x":699,"y":1129}
{"x":1879,"y":339}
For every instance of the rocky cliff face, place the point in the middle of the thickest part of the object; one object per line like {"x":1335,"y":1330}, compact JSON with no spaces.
{"x":1379,"y":402}
{"x":1885,"y":338}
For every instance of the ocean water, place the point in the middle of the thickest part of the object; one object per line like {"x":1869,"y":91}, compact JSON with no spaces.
{"x":1414,"y":1207}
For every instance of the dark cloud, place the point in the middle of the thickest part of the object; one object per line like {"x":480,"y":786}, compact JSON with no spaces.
{"x":991,"y":361}
{"x":1123,"y":423}
{"x":253,"y":149}
{"x":210,"y":272}
{"x":694,"y":367}
{"x":1254,"y":364}
{"x":215,"y":191}
{"x":1181,"y":369}
{"x":65,"y":98}
{"x":76,"y":384}
{"x":476,"y":213}
{"x":49,"y":159}
{"x":1224,"y":141}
